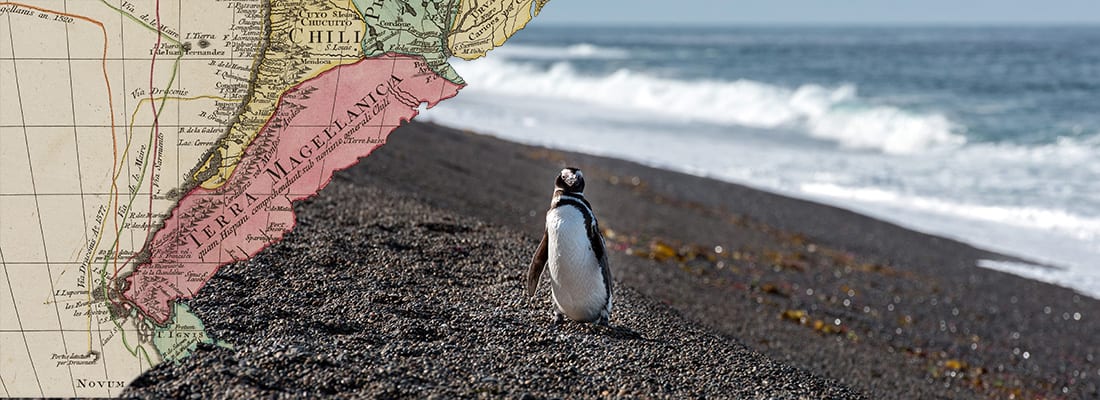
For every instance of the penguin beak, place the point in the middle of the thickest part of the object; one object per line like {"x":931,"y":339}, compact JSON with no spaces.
{"x":571,"y":176}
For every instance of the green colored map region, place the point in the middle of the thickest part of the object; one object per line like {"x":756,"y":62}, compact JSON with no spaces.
{"x":410,"y":27}
{"x":182,"y":335}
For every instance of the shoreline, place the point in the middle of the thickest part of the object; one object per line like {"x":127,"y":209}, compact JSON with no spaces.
{"x":1002,"y":257}
{"x":864,"y":304}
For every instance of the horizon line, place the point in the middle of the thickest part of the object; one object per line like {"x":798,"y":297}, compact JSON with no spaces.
{"x":823,"y":24}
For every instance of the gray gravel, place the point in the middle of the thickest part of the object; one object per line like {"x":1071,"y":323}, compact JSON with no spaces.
{"x":376,"y":294}
{"x":378,"y":288}
{"x":925,"y":322}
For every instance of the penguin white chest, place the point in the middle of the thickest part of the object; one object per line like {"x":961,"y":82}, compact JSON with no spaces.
{"x":575,"y":276}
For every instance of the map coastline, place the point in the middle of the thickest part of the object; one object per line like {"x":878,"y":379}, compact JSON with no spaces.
{"x":122,"y":126}
{"x":187,"y":250}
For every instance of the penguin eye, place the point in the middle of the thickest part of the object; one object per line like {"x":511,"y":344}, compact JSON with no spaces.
{"x":568,"y":176}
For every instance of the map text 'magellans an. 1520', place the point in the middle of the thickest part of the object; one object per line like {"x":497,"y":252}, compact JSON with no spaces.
{"x":145,"y":144}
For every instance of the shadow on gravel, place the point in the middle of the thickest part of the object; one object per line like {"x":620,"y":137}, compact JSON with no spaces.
{"x":621,"y":332}
{"x":615,"y":332}
{"x":397,"y":299}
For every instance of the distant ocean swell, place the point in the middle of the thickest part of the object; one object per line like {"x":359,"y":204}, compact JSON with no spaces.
{"x":830,"y":113}
{"x":1001,"y":165}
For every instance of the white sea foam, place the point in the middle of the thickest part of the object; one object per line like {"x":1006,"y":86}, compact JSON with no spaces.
{"x":1088,"y":285}
{"x":576,"y":51}
{"x":831,"y":113}
{"x":1038,"y":218}
{"x":1040,"y":201}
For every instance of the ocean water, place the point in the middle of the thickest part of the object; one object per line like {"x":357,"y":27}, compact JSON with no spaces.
{"x":987,"y":135}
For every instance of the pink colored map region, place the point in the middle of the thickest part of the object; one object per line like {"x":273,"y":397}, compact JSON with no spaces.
{"x":320,"y":126}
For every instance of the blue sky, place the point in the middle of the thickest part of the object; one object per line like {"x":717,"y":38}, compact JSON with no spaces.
{"x":689,"y":12}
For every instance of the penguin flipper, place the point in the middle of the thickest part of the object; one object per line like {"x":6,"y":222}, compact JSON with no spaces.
{"x":538,"y":264}
{"x":598,"y":246}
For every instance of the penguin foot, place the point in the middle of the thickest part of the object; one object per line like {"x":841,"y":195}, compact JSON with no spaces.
{"x":603,"y":321}
{"x":600,"y":326}
{"x":559,"y":318}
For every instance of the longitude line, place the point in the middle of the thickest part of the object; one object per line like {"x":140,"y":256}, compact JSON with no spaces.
{"x":129,"y":133}
{"x":331,"y":114}
{"x":179,"y":113}
{"x":18,"y":318}
{"x":38,"y":210}
{"x":443,"y":84}
{"x":83,"y":205}
{"x":221,"y":249}
{"x":5,"y":385}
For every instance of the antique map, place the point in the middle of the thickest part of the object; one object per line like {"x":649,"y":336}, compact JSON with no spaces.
{"x":145,"y":144}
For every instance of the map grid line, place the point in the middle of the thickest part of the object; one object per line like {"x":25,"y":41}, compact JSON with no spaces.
{"x":83,"y":207}
{"x":19,"y":319}
{"x":38,"y":210}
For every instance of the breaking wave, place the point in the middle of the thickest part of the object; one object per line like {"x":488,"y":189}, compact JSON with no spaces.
{"x":576,"y":51}
{"x":835,"y":114}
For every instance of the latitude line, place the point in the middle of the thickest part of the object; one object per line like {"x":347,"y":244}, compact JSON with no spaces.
{"x":184,"y":126}
{"x":190,"y":58}
{"x":93,"y":194}
{"x":75,"y":330}
{"x":37,"y":208}
{"x":83,"y":205}
{"x":27,"y":263}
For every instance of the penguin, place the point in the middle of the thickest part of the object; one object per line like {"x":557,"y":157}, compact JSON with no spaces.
{"x":572,"y":247}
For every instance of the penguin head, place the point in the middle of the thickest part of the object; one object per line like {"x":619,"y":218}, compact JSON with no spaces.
{"x":570,"y":180}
